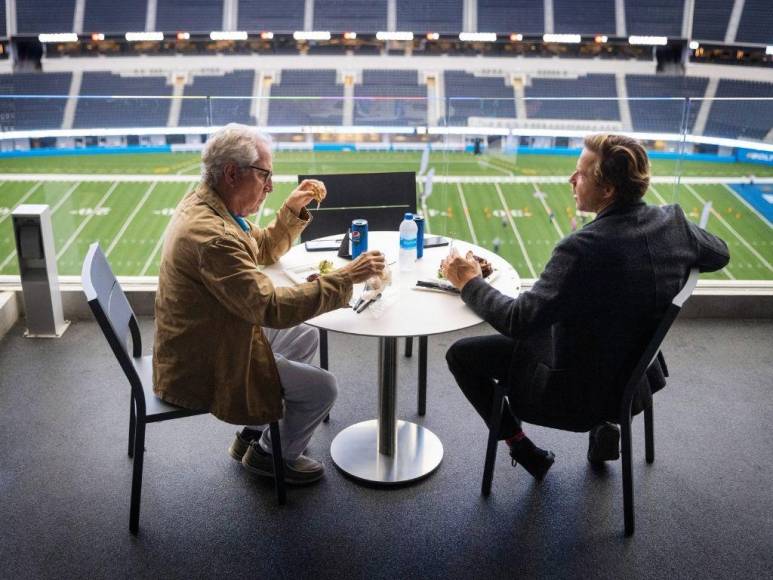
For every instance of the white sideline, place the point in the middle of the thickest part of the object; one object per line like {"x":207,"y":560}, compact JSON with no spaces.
{"x":532,"y":271}
{"x":467,"y":213}
{"x":437,"y":179}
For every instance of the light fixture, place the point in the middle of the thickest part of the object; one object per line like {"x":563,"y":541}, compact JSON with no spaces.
{"x":433,"y":36}
{"x":516,"y":37}
{"x":381,"y":35}
{"x":266,"y":35}
{"x":58,"y":37}
{"x":600,"y":39}
{"x":478,"y":36}
{"x":648,"y":40}
{"x":183,"y":35}
{"x":350,"y":35}
{"x":97,"y":36}
{"x":144,"y":36}
{"x":228,"y":35}
{"x":311,"y":35}
{"x":769,"y":49}
{"x":562,"y":38}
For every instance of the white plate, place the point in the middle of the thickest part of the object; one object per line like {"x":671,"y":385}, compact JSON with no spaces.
{"x":298,"y":274}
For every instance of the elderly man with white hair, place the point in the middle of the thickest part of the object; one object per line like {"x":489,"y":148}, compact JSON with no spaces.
{"x":229,"y":341}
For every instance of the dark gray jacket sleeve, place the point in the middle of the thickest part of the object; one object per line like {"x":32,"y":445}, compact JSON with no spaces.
{"x":713,"y":254}
{"x":548,"y":300}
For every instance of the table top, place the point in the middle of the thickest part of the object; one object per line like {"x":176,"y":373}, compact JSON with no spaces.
{"x":405,"y":310}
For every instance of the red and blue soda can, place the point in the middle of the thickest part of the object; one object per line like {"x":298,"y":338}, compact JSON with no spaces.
{"x":419,"y":220}
{"x":359,"y":237}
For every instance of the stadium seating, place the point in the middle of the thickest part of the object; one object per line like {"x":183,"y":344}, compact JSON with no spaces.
{"x":392,"y":111}
{"x":586,"y":86}
{"x":33,"y":113}
{"x":36,"y":16}
{"x":197,"y":113}
{"x":505,"y":16}
{"x":122,"y":112}
{"x":756,"y":22}
{"x":662,"y":116}
{"x":587,"y":17}
{"x":345,"y":15}
{"x":285,"y":16}
{"x":741,"y":119}
{"x":100,"y":16}
{"x":315,"y":111}
{"x":710,"y":19}
{"x":189,"y":15}
{"x":472,"y":96}
{"x":2,"y":18}
{"x":438,"y":16}
{"x":653,"y":17}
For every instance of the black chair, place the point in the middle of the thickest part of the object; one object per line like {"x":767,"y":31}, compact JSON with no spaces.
{"x":117,"y":320}
{"x":629,"y":391}
{"x":389,"y":196}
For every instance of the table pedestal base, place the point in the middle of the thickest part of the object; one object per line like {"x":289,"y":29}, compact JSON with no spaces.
{"x":417,"y":454}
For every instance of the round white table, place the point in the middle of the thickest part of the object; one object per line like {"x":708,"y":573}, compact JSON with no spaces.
{"x":387,"y":450}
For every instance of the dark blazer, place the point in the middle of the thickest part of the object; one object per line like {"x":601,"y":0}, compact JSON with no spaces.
{"x":580,"y":329}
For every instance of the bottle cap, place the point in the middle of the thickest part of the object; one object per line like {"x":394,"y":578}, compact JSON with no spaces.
{"x":408,"y":216}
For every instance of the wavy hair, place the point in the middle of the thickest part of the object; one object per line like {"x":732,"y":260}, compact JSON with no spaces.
{"x":233,"y":143}
{"x":621,"y":163}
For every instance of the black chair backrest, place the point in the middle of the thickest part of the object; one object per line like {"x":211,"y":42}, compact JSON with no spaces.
{"x":653,"y":347}
{"x":112,"y":311}
{"x":380,"y":198}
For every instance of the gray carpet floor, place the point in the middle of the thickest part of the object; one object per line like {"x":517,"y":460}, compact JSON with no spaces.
{"x":704,"y":508}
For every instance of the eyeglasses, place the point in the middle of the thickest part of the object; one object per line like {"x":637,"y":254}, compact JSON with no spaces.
{"x":266,"y":173}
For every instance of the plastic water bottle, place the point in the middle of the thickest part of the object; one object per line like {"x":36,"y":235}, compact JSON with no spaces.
{"x":408,"y":232}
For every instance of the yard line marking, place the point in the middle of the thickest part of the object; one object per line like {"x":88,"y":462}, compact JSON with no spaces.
{"x":501,"y":169}
{"x":188,"y":168}
{"x":467,"y":213}
{"x":547,"y":209}
{"x":130,"y":218}
{"x":657,"y":193}
{"x":85,"y":222}
{"x":515,"y":230}
{"x":741,"y":239}
{"x":747,"y":204}
{"x":24,"y":198}
{"x":67,"y":194}
{"x":155,"y":249}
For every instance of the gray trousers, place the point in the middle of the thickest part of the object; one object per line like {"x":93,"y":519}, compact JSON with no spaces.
{"x":308,"y":391}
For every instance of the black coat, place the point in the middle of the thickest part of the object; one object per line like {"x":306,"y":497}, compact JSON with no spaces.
{"x":583,"y":325}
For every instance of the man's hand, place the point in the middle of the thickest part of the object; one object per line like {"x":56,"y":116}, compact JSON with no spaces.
{"x":459,"y":270}
{"x":366,"y":265}
{"x":309,"y":190}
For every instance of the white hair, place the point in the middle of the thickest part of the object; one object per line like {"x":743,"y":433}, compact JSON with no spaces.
{"x":234,"y":143}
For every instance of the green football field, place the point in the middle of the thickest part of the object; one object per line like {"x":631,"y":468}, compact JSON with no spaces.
{"x":489,"y":200}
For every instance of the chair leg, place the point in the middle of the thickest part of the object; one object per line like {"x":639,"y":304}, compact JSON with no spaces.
{"x":495,"y":424}
{"x":279,"y":470}
{"x":625,"y":450}
{"x":132,"y":423}
{"x":649,"y":435}
{"x":139,"y":453}
{"x":408,"y":346}
{"x":422,"y":393}
{"x":323,"y":360}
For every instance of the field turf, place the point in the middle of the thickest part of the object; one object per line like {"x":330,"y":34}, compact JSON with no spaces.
{"x":129,"y":217}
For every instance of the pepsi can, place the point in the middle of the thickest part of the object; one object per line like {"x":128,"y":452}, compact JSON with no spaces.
{"x":359,"y":237}
{"x":419,"y":220}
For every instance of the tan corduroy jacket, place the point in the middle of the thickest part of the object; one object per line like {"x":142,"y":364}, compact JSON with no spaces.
{"x":210,"y":352}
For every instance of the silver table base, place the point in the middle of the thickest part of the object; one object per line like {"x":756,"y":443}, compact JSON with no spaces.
{"x":418,"y":452}
{"x":386,"y":450}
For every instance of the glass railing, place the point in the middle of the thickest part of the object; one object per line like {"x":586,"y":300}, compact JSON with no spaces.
{"x":490,"y":171}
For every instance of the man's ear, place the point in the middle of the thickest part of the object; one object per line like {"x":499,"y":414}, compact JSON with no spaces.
{"x":230,"y":173}
{"x":608,"y":192}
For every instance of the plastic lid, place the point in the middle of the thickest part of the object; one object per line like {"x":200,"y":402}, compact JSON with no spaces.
{"x":408,"y":216}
